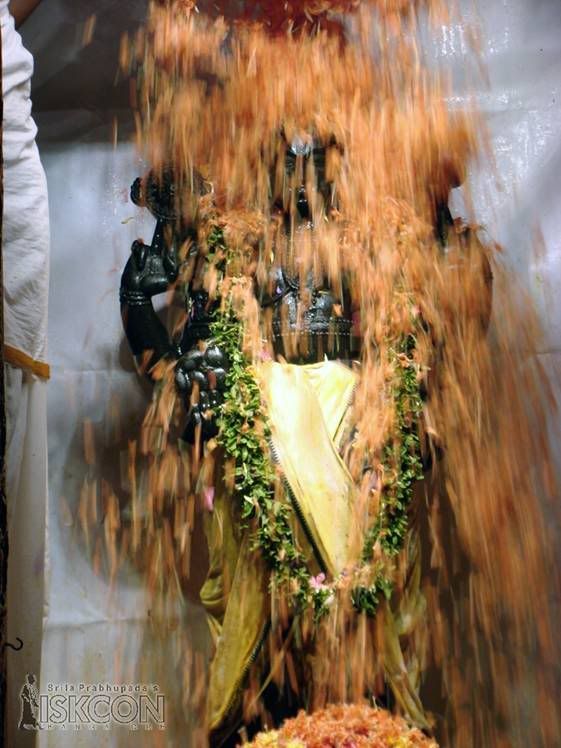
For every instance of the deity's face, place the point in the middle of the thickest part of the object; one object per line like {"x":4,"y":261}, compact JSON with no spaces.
{"x":305,"y":170}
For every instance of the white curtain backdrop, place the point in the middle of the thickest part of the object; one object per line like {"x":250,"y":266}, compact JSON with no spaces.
{"x":91,"y":632}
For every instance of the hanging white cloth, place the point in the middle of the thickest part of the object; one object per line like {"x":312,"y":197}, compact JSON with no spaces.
{"x":25,"y":249}
{"x":25,"y":225}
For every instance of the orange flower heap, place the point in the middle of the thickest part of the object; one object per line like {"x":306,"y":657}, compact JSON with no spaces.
{"x":356,"y":726}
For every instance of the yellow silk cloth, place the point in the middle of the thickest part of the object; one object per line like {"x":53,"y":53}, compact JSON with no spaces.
{"x":307,"y":408}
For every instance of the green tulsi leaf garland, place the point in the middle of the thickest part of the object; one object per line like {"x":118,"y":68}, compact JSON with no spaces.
{"x":245,"y":436}
{"x":402,"y":463}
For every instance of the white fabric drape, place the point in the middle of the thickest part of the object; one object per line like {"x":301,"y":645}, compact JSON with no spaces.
{"x":25,"y":224}
{"x":25,"y":249}
{"x":26,"y":489}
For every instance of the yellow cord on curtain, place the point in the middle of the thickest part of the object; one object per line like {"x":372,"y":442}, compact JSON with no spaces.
{"x":21,"y":360}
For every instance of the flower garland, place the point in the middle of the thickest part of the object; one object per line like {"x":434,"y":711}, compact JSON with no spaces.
{"x":245,"y":436}
{"x":390,"y":527}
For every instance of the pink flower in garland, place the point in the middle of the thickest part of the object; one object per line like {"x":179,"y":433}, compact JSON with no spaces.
{"x":318,"y":583}
{"x":208,"y":497}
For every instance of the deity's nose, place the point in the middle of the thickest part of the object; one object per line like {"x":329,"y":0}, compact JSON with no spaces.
{"x":301,"y":146}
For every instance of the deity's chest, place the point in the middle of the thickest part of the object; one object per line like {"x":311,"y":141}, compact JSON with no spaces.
{"x":309,"y":321}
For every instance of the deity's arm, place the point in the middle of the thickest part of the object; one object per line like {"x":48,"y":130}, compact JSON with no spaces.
{"x":155,"y":269}
{"x":172,"y":258}
{"x":150,"y":270}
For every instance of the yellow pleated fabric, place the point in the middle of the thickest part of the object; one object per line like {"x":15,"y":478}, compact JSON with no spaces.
{"x":402,"y":625}
{"x":242,"y":632}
